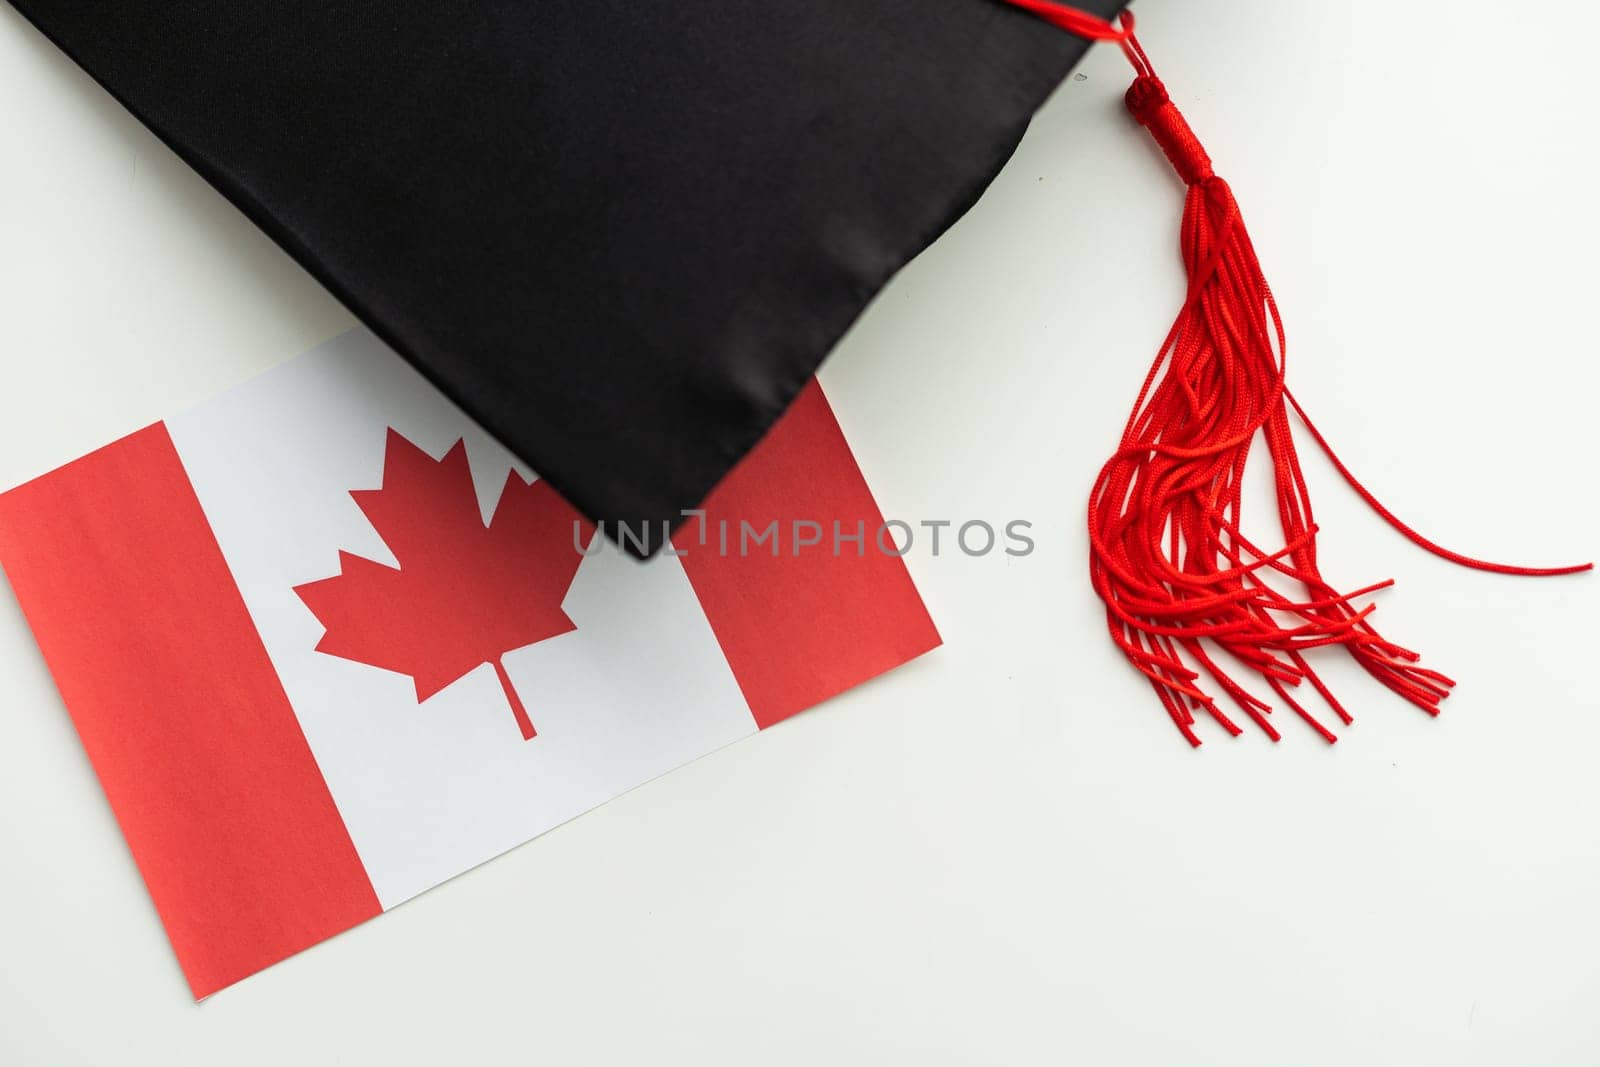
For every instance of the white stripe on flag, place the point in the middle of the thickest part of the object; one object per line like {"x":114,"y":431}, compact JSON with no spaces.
{"x":428,"y":791}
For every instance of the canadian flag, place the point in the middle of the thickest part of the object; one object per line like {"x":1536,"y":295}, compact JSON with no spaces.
{"x":328,"y":645}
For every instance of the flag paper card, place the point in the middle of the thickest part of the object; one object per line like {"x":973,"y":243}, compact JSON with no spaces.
{"x":328,"y":645}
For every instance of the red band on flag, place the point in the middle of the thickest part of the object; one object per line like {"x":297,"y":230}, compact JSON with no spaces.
{"x":180,"y":711}
{"x":833,"y":588}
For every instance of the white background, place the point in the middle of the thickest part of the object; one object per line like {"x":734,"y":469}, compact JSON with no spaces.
{"x":1002,"y":854}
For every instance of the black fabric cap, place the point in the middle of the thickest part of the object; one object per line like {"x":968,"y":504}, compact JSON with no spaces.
{"x":621,"y":235}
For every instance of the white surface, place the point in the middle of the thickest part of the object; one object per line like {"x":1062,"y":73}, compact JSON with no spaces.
{"x":1001,"y":854}
{"x":428,"y":791}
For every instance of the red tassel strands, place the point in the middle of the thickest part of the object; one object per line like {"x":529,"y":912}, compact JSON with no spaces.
{"x":1168,"y":555}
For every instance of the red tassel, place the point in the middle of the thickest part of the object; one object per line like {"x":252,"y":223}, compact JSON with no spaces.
{"x":1169,"y":557}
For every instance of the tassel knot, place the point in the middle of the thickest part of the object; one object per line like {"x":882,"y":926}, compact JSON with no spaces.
{"x":1147,"y":100}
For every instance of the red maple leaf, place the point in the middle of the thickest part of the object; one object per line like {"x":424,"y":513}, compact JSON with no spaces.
{"x":465,"y":593}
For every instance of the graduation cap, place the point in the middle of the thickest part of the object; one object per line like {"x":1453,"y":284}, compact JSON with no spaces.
{"x":622,"y":236}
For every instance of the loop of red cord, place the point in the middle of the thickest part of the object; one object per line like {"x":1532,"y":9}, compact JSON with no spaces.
{"x":1168,"y":556}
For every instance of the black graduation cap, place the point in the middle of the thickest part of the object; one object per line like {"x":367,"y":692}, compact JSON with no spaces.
{"x":623,"y":235}
{"x":620,"y":235}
